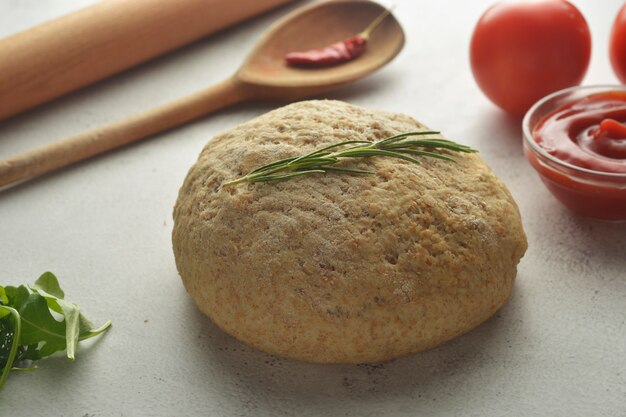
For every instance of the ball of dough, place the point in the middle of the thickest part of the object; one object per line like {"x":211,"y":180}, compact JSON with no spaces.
{"x":339,"y":267}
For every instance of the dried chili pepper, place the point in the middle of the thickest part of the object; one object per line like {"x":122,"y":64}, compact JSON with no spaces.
{"x":338,"y":52}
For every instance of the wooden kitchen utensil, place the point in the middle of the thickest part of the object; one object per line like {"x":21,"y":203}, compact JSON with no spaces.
{"x":56,"y":57}
{"x":263,"y":76}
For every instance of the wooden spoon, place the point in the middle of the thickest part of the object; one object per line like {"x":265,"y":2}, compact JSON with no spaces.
{"x":263,"y":76}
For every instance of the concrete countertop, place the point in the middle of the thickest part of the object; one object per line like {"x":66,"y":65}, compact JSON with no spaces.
{"x":557,"y":347}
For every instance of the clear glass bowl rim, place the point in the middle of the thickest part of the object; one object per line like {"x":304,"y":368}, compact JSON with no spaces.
{"x":555,"y":162}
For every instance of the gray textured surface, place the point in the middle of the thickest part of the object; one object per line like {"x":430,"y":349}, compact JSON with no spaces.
{"x":556,"y":348}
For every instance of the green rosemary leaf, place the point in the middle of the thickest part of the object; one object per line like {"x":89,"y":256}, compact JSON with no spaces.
{"x":397,"y":138}
{"x":323,"y":159}
{"x":347,"y":170}
{"x":380,"y":152}
{"x":273,"y":164}
{"x":326,"y":148}
{"x":433,"y":143}
{"x":313,"y":161}
{"x":290,"y":175}
{"x":426,"y":153}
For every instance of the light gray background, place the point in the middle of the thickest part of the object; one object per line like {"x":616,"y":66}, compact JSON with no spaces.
{"x":557,"y":348}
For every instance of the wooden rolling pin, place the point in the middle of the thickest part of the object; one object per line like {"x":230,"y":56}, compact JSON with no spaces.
{"x":60,"y":56}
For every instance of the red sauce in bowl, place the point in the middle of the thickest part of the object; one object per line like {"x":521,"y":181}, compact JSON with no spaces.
{"x":579,"y":149}
{"x":589,"y":133}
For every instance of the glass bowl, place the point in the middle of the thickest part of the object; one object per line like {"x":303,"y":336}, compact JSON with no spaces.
{"x":591,"y":193}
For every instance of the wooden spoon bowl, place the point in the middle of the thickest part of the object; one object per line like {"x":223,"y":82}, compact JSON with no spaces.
{"x":314,"y":27}
{"x":263,"y":76}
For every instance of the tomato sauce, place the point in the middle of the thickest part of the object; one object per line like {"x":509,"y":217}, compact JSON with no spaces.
{"x":589,"y":133}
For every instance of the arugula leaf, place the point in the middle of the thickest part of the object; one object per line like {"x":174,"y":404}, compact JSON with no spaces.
{"x":16,"y":296}
{"x":3,"y":296}
{"x":29,"y":328}
{"x":48,"y":287}
{"x":39,"y":326}
{"x":6,"y":337}
{"x":48,"y":282}
{"x":10,"y":350}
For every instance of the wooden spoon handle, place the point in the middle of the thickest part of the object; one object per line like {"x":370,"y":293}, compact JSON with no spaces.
{"x":85,"y":145}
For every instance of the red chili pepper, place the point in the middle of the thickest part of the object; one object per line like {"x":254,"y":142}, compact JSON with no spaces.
{"x":338,"y":52}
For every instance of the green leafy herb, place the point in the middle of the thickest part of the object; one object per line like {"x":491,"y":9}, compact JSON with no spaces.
{"x":29,"y":330}
{"x":323,"y":160}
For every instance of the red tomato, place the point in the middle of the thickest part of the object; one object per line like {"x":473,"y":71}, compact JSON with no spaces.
{"x":618,"y":45}
{"x":523,"y":50}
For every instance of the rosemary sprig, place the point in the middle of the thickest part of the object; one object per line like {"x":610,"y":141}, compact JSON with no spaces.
{"x":322,"y":160}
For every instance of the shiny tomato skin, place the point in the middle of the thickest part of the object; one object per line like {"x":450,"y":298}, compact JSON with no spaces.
{"x":521,"y":51}
{"x":617,"y":47}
